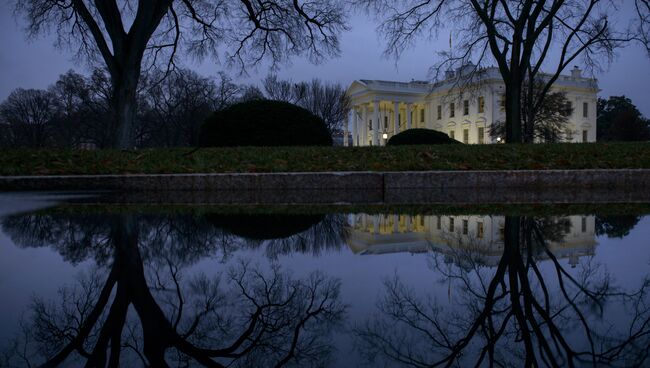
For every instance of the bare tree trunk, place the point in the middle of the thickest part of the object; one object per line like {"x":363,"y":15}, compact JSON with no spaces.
{"x":513,"y":111}
{"x":125,"y":109}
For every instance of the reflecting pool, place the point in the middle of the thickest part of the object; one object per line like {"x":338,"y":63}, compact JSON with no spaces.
{"x":92,"y":284}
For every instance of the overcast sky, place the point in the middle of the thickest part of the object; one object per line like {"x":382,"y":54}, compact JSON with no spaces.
{"x":37,"y":63}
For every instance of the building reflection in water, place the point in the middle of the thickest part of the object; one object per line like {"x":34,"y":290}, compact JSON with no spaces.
{"x":483,"y":235}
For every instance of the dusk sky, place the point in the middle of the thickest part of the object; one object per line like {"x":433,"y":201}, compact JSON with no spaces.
{"x":37,"y":63}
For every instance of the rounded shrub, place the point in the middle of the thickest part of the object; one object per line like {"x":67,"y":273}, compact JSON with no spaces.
{"x":264,"y":227}
{"x":420,"y":136}
{"x":264,"y":123}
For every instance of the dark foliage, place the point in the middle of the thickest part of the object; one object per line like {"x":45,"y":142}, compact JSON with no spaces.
{"x":620,"y":120}
{"x":616,"y":226}
{"x":420,"y":136}
{"x":264,"y":123}
{"x":263,"y":227}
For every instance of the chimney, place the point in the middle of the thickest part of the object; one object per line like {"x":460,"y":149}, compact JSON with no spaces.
{"x":576,"y":72}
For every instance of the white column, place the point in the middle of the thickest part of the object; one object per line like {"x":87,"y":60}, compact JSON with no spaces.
{"x":408,"y":223}
{"x":346,"y":128}
{"x":364,"y":126}
{"x":396,"y":122}
{"x":355,"y":127}
{"x":375,"y":224}
{"x":408,"y":115}
{"x":395,"y":224}
{"x":375,"y":124}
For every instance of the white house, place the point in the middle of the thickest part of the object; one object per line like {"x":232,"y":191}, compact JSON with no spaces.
{"x":381,"y":109}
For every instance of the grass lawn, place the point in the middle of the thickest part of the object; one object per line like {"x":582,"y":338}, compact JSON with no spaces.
{"x":293,"y":159}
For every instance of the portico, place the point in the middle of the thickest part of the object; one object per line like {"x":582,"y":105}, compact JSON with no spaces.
{"x":382,"y":109}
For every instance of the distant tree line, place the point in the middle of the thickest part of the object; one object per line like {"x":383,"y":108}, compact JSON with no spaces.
{"x":76,"y":112}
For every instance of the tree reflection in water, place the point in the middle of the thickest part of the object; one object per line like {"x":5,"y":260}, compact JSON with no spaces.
{"x":136,"y":305}
{"x":522,"y":312}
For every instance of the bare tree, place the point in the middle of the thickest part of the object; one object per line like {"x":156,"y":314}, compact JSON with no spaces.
{"x":519,"y":36}
{"x":643,"y":24}
{"x":325,"y":100}
{"x":547,"y":123}
{"x":175,"y":107}
{"x":129,"y":35}
{"x":30,"y":115}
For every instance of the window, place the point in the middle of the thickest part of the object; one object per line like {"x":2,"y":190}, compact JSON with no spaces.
{"x":481,"y":104}
{"x":421,"y":221}
{"x":481,"y":135}
{"x":466,"y":107}
{"x":439,"y":223}
{"x":479,"y":230}
{"x":452,"y":110}
{"x":465,"y":227}
{"x":452,"y":134}
{"x":585,"y":136}
{"x":466,"y":136}
{"x":370,"y":124}
{"x":502,"y":102}
{"x":422,"y":116}
{"x":451,"y":224}
{"x":385,"y":123}
{"x":439,"y":112}
{"x":585,"y":110}
{"x":584,"y":224}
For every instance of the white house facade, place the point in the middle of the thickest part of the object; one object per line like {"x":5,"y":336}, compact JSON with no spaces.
{"x":381,"y":109}
{"x":482,"y":237}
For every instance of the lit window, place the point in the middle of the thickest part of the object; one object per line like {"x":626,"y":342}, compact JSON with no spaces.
{"x":479,"y":230}
{"x":439,"y":112}
{"x":452,"y":110}
{"x":481,"y":104}
{"x":466,"y":136}
{"x":466,"y":107}
{"x":585,"y":110}
{"x":451,"y":224}
{"x":465,"y":227}
{"x":481,"y":135}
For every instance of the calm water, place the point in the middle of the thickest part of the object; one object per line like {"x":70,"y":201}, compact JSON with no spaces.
{"x":249,"y":287}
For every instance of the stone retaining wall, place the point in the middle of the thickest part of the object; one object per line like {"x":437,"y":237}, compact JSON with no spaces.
{"x":382,"y":181}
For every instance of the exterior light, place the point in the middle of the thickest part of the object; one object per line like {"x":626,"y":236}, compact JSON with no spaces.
{"x":385,"y":135}
{"x":498,"y":139}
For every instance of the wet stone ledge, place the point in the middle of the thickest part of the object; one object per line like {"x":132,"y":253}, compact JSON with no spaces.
{"x":339,"y":181}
